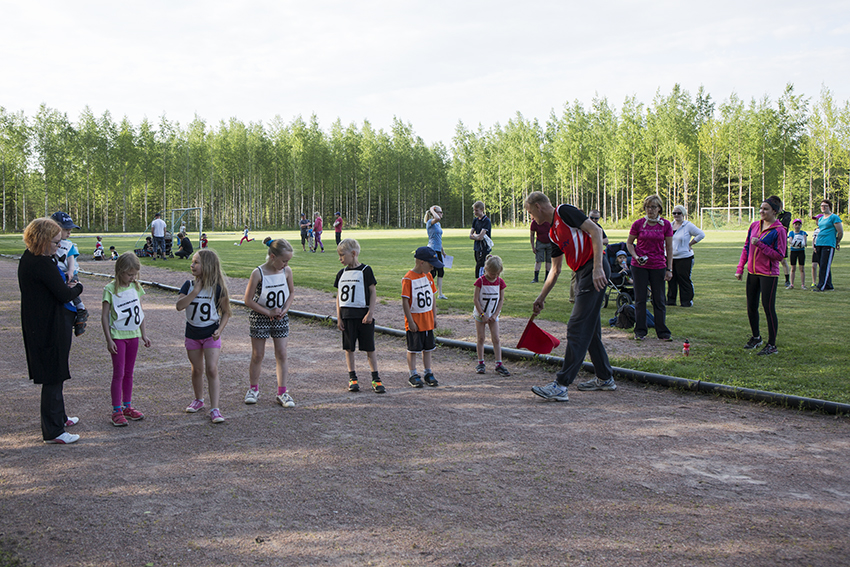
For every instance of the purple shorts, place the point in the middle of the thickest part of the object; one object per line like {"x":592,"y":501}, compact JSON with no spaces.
{"x":209,"y":342}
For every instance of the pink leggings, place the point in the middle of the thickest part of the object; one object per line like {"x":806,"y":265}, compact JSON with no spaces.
{"x":123,"y":364}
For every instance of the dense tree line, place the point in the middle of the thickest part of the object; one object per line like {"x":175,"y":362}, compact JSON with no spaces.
{"x":114,"y":175}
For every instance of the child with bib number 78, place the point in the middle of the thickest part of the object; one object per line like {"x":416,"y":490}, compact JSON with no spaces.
{"x":269,"y":296}
{"x":123,"y":323}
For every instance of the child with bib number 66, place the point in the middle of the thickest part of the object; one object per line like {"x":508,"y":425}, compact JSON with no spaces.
{"x":123,"y":323}
{"x":269,"y":295}
{"x":207,"y":304}
{"x":489,"y":297}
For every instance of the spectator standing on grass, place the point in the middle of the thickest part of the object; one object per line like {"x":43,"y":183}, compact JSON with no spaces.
{"x":763,"y":249}
{"x":685,"y":236}
{"x":338,"y":228}
{"x":815,"y":255}
{"x":650,"y":243}
{"x":158,"y":232}
{"x":578,"y":242}
{"x":481,"y":234}
{"x":434,"y":228}
{"x":542,"y":248}
{"x":317,"y":231}
{"x":46,"y":323}
{"x":797,"y":243}
{"x":829,"y":242}
{"x":304,"y":225}
{"x":784,"y":217}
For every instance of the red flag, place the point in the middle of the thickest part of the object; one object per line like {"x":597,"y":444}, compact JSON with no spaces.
{"x":537,"y":340}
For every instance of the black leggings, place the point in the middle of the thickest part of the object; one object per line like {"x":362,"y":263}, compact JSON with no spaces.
{"x":764,"y":286}
{"x":438,"y":272}
{"x":480,"y":258}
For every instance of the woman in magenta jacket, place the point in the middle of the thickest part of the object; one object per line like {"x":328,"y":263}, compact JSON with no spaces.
{"x":650,"y":243}
{"x":763,"y":249}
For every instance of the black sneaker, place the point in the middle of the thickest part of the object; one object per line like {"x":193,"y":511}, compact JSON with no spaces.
{"x":415,"y":381}
{"x":431,"y":381}
{"x":378,"y":387}
{"x":754,"y":342}
{"x":768,"y":349}
{"x":353,"y":386}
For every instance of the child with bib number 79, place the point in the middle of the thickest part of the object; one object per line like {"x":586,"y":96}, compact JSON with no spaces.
{"x":207,"y":304}
{"x":123,"y":323}
{"x":269,"y":295}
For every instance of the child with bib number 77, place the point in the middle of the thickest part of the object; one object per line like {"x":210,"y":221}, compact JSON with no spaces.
{"x":123,"y":322}
{"x":269,"y":296}
{"x":207,"y":304}
{"x":489,"y":298}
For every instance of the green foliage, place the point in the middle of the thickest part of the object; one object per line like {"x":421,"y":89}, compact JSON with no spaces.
{"x":811,"y":361}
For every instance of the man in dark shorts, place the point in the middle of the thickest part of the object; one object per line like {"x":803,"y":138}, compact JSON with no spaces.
{"x":542,"y":248}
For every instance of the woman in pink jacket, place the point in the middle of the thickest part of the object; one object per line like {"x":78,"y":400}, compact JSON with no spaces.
{"x":763,"y":249}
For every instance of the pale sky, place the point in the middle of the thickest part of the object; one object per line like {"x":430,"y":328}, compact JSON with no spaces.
{"x":428,"y":63}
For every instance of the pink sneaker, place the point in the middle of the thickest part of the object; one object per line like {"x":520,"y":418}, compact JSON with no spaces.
{"x":216,"y":417}
{"x":195,"y":406}
{"x":118,"y":419}
{"x":133,"y":414}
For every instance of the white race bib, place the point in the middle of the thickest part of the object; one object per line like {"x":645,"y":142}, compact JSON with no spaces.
{"x":421,"y":296}
{"x":202,"y":311}
{"x":489,"y":298}
{"x":127,"y":309}
{"x":352,"y":289}
{"x":799,"y":241}
{"x":274,"y":291}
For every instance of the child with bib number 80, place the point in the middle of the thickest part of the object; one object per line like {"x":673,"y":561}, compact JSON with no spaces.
{"x":269,"y":295}
{"x":123,"y":323}
{"x":489,"y":297}
{"x":207,"y":304}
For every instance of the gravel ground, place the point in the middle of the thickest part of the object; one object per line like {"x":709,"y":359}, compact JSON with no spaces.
{"x":476,"y":472}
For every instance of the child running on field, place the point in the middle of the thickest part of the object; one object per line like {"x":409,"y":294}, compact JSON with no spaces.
{"x":66,"y":259}
{"x":245,"y":237}
{"x":489,"y":298}
{"x":355,"y":301}
{"x":207,"y":304}
{"x":797,"y":242}
{"x":417,"y":301}
{"x":269,"y":295}
{"x":123,"y":322}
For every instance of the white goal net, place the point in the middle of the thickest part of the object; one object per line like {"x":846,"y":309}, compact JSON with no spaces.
{"x":726,"y":218}
{"x":189,"y":220}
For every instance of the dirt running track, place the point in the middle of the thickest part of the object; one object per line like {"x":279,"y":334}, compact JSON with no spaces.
{"x":476,"y":472}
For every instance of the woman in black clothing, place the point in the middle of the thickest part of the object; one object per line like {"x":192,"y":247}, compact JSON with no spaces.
{"x":47,"y":322}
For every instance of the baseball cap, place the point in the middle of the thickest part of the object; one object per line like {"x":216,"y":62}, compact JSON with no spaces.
{"x":64,"y":220}
{"x":622,"y":253}
{"x":797,"y":221}
{"x":337,"y":213}
{"x":428,"y":254}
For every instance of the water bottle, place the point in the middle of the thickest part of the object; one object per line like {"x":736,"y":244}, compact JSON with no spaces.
{"x":686,"y":348}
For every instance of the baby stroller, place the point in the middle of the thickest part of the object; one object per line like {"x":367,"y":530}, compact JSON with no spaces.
{"x":620,"y":281}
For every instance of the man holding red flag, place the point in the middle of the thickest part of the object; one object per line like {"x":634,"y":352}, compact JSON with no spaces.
{"x":577,"y":239}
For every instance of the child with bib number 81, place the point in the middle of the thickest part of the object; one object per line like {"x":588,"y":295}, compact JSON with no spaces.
{"x":489,"y":297}
{"x":355,"y":301}
{"x":207,"y":304}
{"x":123,"y":323}
{"x":269,"y":295}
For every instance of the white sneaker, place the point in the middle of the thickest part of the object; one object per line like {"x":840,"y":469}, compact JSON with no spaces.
{"x":64,"y":439}
{"x":285,"y":400}
{"x":252,"y":396}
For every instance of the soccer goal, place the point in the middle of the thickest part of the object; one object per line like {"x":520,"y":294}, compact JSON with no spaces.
{"x":726,"y":218}
{"x":189,"y":220}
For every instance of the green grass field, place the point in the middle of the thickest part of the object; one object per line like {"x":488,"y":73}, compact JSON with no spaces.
{"x":811,"y":361}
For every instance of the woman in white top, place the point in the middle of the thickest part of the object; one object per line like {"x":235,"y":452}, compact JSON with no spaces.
{"x":685,"y":235}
